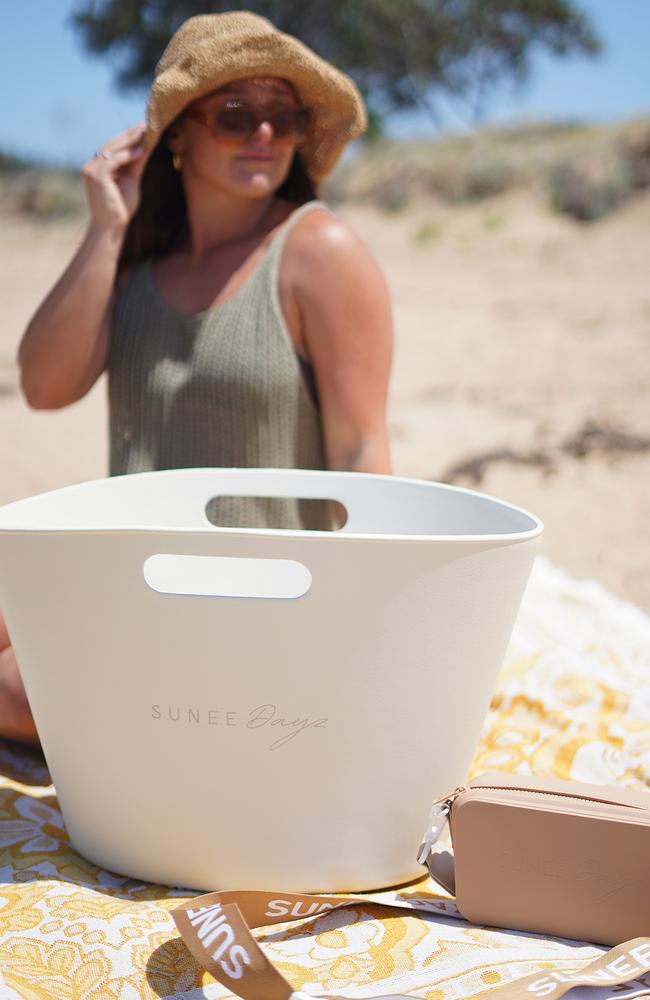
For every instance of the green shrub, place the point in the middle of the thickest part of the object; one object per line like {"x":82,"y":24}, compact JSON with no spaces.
{"x":589,"y":188}
{"x":584,"y":171}
{"x":42,"y":194}
{"x":10,"y":164}
{"x":635,"y":149}
{"x":493,"y":221}
{"x":485,"y":176}
{"x":426,"y":232}
{"x":51,"y":196}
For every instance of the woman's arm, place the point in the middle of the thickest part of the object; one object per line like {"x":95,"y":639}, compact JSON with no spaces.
{"x":346,"y":320}
{"x":65,"y":346}
{"x":64,"y":349}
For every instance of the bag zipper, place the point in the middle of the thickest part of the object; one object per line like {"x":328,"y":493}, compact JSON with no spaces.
{"x":540,"y":791}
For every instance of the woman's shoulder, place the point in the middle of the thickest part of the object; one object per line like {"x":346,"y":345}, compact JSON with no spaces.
{"x":326,"y":245}
{"x":319,"y":219}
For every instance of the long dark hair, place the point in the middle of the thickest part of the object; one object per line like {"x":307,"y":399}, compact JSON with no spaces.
{"x":160,"y":225}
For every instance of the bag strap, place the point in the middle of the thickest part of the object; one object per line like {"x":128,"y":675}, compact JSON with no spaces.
{"x":216,"y":929}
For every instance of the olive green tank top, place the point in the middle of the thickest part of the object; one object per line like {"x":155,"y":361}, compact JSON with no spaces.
{"x":220,"y":388}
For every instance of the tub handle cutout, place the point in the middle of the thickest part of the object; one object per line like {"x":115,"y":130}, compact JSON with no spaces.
{"x":225,"y":576}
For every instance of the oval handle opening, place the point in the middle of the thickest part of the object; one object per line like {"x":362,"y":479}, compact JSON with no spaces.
{"x":225,"y":576}
{"x":280,"y":513}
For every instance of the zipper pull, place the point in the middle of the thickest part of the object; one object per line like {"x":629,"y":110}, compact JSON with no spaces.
{"x":437,"y":818}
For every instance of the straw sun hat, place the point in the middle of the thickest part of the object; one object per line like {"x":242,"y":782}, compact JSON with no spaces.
{"x":210,"y":50}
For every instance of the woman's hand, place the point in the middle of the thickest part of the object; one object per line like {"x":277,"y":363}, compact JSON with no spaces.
{"x":112,"y":180}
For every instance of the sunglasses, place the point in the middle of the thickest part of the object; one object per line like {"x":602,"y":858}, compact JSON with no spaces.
{"x":236,"y":125}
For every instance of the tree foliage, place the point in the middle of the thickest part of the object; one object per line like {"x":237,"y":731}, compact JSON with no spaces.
{"x":401,"y":53}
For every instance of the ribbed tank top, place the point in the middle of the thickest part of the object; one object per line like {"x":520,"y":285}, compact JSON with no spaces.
{"x":220,"y":388}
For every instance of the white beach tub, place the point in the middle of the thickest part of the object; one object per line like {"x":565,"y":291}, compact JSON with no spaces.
{"x":249,"y":708}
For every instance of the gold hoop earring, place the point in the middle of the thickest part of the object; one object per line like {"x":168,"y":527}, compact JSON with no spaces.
{"x":177,"y":161}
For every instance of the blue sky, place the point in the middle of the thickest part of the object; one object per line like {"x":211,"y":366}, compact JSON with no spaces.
{"x":60,"y":104}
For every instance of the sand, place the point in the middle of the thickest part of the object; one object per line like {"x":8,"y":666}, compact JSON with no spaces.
{"x":516,"y":330}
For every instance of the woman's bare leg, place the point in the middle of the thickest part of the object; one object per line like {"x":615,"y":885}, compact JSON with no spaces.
{"x":16,"y":720}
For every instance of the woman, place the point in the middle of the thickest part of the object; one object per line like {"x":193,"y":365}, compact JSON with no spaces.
{"x":241,"y":323}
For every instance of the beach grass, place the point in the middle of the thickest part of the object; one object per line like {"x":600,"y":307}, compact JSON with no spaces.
{"x":584,"y":171}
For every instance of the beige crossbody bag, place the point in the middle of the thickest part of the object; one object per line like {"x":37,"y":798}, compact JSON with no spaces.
{"x":541,"y":855}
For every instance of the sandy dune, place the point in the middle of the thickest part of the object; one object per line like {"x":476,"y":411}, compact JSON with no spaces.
{"x":516,"y":330}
